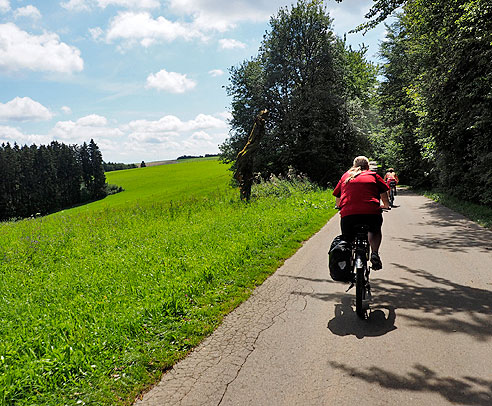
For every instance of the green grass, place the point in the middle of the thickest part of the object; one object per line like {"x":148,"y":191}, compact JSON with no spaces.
{"x":196,"y":177}
{"x":98,"y":301}
{"x":475,"y":212}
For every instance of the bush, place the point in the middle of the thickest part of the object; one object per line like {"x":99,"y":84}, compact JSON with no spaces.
{"x":112,"y":189}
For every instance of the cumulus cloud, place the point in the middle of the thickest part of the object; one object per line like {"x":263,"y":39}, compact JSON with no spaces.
{"x":4,"y":6}
{"x":201,"y":135}
{"x":85,"y":5}
{"x":172,"y":82}
{"x":13,"y":135}
{"x":227,"y":43}
{"x":21,"y":50}
{"x":143,"y":27}
{"x":172,"y":126}
{"x":166,"y":138}
{"x":216,"y":72}
{"x":76,"y":5}
{"x":129,"y":3}
{"x":24,"y":109}
{"x":66,"y":110}
{"x":222,"y":15}
{"x":28,"y":11}
{"x":96,"y":33}
{"x":91,"y":126}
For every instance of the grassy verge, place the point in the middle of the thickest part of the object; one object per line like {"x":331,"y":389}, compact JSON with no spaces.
{"x":97,"y":303}
{"x":475,"y":212}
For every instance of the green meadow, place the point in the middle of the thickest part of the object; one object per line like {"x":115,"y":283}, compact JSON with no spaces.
{"x":98,"y":300}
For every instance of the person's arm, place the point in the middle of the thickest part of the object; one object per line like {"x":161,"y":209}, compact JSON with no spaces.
{"x":337,"y":201}
{"x":385,"y":200}
{"x":396,"y":177}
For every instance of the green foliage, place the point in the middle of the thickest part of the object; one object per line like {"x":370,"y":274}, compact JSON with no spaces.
{"x":117,"y":166}
{"x":97,"y":303}
{"x":112,"y":189}
{"x":39,"y":180}
{"x":316,"y":93}
{"x":436,"y":101}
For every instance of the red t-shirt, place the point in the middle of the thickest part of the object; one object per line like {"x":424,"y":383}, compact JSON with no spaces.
{"x":360,"y":195}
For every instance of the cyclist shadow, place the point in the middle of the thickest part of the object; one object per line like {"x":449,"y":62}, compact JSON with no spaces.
{"x":346,"y":322}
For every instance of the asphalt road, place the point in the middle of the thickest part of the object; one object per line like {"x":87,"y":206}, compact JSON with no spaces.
{"x":298,"y":341}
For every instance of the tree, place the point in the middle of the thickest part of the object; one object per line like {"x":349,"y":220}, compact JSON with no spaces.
{"x":98,"y":181}
{"x":299,"y":77}
{"x":439,"y":76}
{"x":142,"y":164}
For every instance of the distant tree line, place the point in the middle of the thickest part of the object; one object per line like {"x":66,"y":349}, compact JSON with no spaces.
{"x":196,"y":156}
{"x":48,"y":178}
{"x":117,"y":166}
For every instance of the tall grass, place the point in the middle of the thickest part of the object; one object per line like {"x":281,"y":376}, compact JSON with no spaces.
{"x":96,"y":303}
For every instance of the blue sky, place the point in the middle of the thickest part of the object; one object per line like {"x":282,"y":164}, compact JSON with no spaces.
{"x":143,"y":78}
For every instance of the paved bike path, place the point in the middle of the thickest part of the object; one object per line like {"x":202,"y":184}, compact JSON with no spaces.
{"x":298,"y":341}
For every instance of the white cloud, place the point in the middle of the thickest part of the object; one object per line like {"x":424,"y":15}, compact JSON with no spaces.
{"x":85,"y":5}
{"x":96,"y":33}
{"x":24,"y":109}
{"x":85,"y":128}
{"x":92,"y":120}
{"x":21,"y":50}
{"x":201,"y":135}
{"x":66,"y":110}
{"x":166,"y":138}
{"x":216,"y":72}
{"x":133,"y":4}
{"x":4,"y":6}
{"x":28,"y":11}
{"x":173,"y":126}
{"x":172,"y":82}
{"x":13,"y":135}
{"x":227,"y":43}
{"x":144,"y":28}
{"x":77,"y":5}
{"x":222,"y":15}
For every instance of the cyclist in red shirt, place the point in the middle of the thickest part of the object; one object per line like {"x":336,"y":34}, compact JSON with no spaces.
{"x":391,"y":180}
{"x":358,"y":194}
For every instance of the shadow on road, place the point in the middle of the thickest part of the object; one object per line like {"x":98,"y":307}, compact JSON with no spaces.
{"x":453,"y":232}
{"x":447,"y":306}
{"x":463,"y":391}
{"x":346,"y":322}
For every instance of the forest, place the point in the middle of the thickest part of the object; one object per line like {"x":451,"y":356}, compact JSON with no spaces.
{"x":39,"y":180}
{"x":426,"y":110}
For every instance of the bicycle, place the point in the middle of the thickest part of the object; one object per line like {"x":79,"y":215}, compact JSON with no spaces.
{"x":361,"y":271}
{"x":392,"y":192}
{"x":360,"y":256}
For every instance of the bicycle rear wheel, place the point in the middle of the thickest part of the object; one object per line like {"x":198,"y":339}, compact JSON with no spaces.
{"x":360,"y":292}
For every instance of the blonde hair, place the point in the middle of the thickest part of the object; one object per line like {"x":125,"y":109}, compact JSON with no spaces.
{"x":361,"y":163}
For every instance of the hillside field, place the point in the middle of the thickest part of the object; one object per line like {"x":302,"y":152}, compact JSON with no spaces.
{"x":98,"y":300}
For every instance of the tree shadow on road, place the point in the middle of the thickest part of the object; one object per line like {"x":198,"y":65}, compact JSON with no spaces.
{"x":453,"y":232}
{"x":346,"y":322}
{"x":447,"y":306}
{"x":466,"y":390}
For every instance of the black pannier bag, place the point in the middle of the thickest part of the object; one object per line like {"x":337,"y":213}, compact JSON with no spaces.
{"x":339,"y":260}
